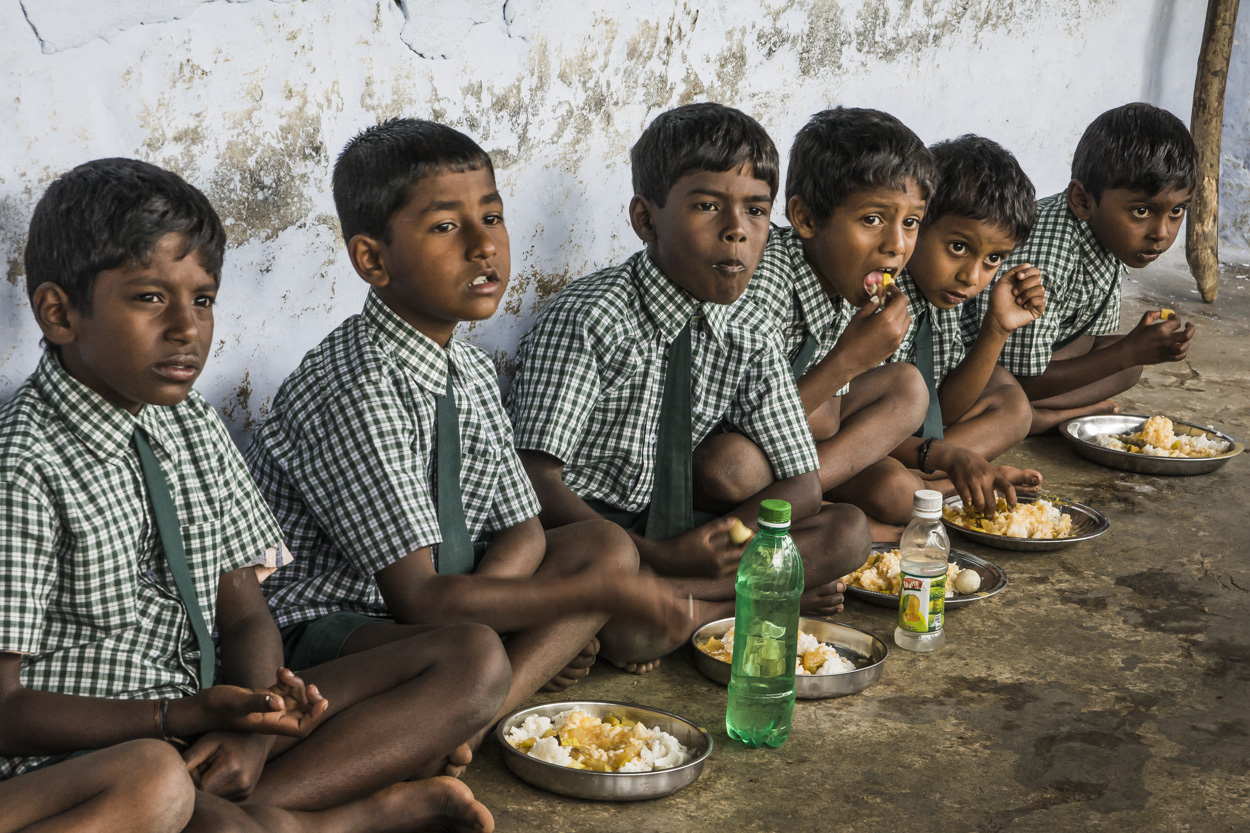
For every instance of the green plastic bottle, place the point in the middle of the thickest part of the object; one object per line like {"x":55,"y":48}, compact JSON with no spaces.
{"x":766,"y":633}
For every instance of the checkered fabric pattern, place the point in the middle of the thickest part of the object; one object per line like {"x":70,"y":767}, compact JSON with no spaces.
{"x":346,"y":460}
{"x":590,"y":378}
{"x":786,"y":290}
{"x":948,"y":344}
{"x":1079,"y":275}
{"x":86,"y":595}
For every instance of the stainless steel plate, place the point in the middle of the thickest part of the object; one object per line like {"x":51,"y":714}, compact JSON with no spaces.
{"x":608,"y":786}
{"x":1087,"y":523}
{"x":993,"y":579}
{"x":1082,"y":430}
{"x":865,"y":650}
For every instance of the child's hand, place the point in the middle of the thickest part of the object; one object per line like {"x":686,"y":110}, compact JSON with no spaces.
{"x":706,"y":551}
{"x":976,"y":479}
{"x":227,"y":764}
{"x":875,"y":332}
{"x":1017,"y":299}
{"x":1154,"y":341}
{"x":287,"y":708}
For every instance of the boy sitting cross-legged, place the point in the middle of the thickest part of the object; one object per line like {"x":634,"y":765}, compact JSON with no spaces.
{"x":982,"y":204}
{"x":388,"y":458}
{"x":1133,"y":173}
{"x":130,"y":531}
{"x":856,"y":192}
{"x":628,"y":369}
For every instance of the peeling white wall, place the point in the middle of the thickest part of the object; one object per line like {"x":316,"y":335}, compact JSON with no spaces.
{"x":251,"y":101}
{"x":1235,"y":151}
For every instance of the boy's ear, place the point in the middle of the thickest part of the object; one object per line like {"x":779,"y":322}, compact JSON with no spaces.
{"x":1080,"y":201}
{"x":640,"y":217}
{"x":53,"y":313}
{"x":800,"y":217}
{"x":366,"y":256}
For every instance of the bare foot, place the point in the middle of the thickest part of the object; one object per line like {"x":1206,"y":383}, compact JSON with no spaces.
{"x":433,"y":804}
{"x":1026,"y":478}
{"x":578,"y":667}
{"x":1048,"y":419}
{"x":823,"y":600}
{"x":638,"y":668}
{"x":458,"y":761}
{"x":884,"y":533}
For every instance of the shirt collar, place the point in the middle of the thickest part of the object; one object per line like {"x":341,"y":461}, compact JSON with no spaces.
{"x":1105,"y":263}
{"x":669,"y":306}
{"x":819,"y":310}
{"x":105,"y":429}
{"x":416,"y":352}
{"x":917,"y":304}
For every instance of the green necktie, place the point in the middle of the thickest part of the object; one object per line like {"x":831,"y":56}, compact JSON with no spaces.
{"x":672,"y":493}
{"x":924,"y":363}
{"x":176,"y":556}
{"x":455,"y":553}
{"x":804,"y":358}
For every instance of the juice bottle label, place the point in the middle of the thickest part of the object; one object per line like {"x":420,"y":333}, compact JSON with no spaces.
{"x":922,"y":603}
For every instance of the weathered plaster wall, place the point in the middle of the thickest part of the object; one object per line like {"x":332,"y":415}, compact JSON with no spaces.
{"x":251,"y":101}
{"x":1235,"y":150}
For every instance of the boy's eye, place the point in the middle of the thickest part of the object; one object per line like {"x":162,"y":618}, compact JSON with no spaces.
{"x":911,"y":223}
{"x":205,"y":301}
{"x":444,"y":228}
{"x":756,"y":211}
{"x":959,"y":248}
{"x":1178,"y":211}
{"x":493,"y":219}
{"x":994,"y":260}
{"x":873,"y":220}
{"x":705,"y":206}
{"x":148,"y":298}
{"x":1141,"y":211}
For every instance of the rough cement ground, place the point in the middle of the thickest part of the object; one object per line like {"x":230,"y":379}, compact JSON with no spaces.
{"x":1104,"y":689}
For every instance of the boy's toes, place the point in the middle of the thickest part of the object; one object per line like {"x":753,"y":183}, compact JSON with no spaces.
{"x":823,"y":600}
{"x":639,"y":668}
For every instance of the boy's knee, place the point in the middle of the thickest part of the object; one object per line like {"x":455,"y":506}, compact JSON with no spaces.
{"x":889,"y":497}
{"x":480,"y":648}
{"x":1012,"y":408}
{"x":846,"y":539}
{"x":728,"y":469}
{"x":906,"y":390}
{"x":162,"y":787}
{"x":612,"y":549}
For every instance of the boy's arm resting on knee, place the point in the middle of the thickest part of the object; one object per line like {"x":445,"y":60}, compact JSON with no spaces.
{"x":802,"y":492}
{"x":560,"y":504}
{"x":1151,"y":342}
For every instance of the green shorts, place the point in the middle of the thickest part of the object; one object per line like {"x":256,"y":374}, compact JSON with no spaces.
{"x":318,"y":641}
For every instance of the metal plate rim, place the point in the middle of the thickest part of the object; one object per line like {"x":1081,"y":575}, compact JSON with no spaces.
{"x":1101,"y":524}
{"x":1144,"y":463}
{"x":887,"y":600}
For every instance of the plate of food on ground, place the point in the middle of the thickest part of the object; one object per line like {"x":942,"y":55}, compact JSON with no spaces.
{"x":1036,"y":523}
{"x":834,"y":660}
{"x":969,"y":579}
{"x":602,"y":750}
{"x":1150,"y":444}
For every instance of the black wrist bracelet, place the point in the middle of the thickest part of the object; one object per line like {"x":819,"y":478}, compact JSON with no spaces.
{"x":924,"y":455}
{"x":162,"y":715}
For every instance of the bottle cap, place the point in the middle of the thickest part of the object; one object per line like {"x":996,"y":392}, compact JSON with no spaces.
{"x":927,"y":503}
{"x":774,"y":512}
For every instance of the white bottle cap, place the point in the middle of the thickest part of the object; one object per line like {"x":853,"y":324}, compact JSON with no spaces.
{"x":927,"y":503}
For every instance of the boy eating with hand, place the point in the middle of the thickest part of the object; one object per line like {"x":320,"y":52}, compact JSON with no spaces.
{"x":1133,"y":173}
{"x":629,"y":371}
{"x":982,"y":204}
{"x":131,"y":532}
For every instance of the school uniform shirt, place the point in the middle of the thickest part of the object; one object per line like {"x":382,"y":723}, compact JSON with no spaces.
{"x":948,"y":344}
{"x":1082,"y":281}
{"x":346,"y":460}
{"x":86,"y":595}
{"x":590,"y":379}
{"x":794,"y":304}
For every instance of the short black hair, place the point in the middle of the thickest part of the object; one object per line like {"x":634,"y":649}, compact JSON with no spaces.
{"x":1138,"y":147}
{"x":374,"y":174}
{"x":700,"y":137}
{"x":980,"y":179}
{"x":849,"y":149}
{"x":109,"y":212}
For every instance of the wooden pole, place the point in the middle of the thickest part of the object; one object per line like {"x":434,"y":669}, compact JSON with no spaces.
{"x":1202,"y":238}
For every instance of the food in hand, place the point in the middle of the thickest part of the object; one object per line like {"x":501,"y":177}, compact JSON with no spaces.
{"x":1038,"y":520}
{"x":1158,"y":438}
{"x":1166,"y":314}
{"x":880,"y":574}
{"x":581,"y":741}
{"x":878,"y":283}
{"x":740,"y":533}
{"x":814,"y":658}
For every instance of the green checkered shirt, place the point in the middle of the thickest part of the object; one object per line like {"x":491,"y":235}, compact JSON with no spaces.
{"x":590,"y":378}
{"x":346,"y":460}
{"x":1082,"y":281}
{"x":86,"y":595}
{"x":786,"y":290}
{"x":948,"y":344}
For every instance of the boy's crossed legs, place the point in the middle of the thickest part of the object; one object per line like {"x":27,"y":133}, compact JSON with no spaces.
{"x":1094,"y":398}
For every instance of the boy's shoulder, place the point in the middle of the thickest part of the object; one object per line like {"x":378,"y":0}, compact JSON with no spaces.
{"x":604,"y":305}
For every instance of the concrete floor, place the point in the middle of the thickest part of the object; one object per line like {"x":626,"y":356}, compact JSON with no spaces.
{"x":1104,"y":689}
